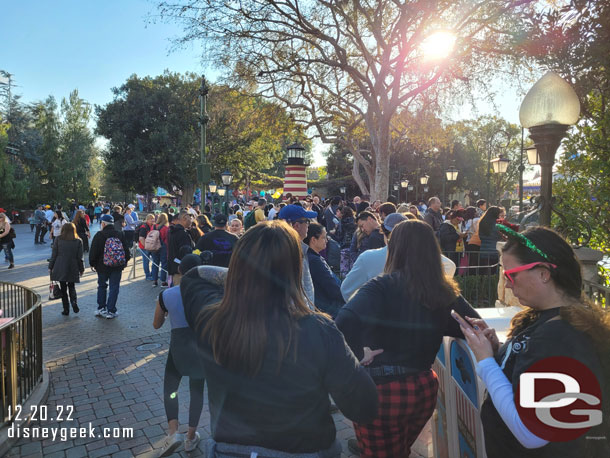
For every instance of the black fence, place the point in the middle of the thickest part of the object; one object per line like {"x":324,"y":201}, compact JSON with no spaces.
{"x":477,"y":274}
{"x":20,"y":347}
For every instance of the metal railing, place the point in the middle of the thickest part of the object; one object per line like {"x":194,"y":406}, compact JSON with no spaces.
{"x":20,"y":347}
{"x":599,"y":294}
{"x":477,"y":274}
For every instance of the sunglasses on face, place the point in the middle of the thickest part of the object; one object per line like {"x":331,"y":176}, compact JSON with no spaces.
{"x":304,"y":221}
{"x":508,"y":274}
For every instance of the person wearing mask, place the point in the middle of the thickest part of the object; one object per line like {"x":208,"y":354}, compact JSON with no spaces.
{"x":434,"y":215}
{"x":82,"y":229}
{"x":220,"y":242}
{"x":6,"y":240}
{"x":544,"y":274}
{"x":131,"y":223}
{"x":326,"y":285}
{"x":395,"y":324}
{"x":180,"y":363}
{"x":66,"y":265}
{"x":108,"y":257}
{"x":179,"y":237}
{"x":274,"y":377}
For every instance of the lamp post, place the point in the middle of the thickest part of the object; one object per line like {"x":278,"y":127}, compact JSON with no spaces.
{"x":549,"y":108}
{"x":423,"y":180}
{"x":342,"y":190}
{"x":396,"y":189}
{"x":203,"y":168}
{"x":227,"y":179}
{"x":404,"y":183}
{"x":451,"y":174}
{"x":213,"y":187}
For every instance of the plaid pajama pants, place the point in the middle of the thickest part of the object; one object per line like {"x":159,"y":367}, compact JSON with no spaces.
{"x":404,"y":408}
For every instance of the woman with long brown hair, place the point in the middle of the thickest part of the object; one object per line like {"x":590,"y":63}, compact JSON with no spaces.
{"x":395,"y":324}
{"x":66,"y":265}
{"x":544,"y":273}
{"x":82,"y":230}
{"x":269,"y":360}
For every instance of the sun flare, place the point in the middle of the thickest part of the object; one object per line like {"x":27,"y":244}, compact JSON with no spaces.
{"x":438,"y":46}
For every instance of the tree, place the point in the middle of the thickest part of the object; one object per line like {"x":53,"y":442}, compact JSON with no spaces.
{"x":153,"y":133}
{"x":347,"y":65}
{"x":573,"y":40}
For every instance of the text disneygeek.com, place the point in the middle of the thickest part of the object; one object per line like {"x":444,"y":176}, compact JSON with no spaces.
{"x":65,"y":433}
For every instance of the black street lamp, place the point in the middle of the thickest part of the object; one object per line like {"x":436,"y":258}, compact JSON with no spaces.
{"x":549,"y":108}
{"x":404,"y":184}
{"x":227,"y":179}
{"x":342,"y":189}
{"x":203,"y":168}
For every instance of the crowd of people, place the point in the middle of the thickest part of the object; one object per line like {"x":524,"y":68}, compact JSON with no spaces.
{"x":285,"y":308}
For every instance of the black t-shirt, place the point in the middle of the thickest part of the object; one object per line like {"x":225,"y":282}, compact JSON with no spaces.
{"x":283,"y":408}
{"x":383,"y":315}
{"x":220,"y":243}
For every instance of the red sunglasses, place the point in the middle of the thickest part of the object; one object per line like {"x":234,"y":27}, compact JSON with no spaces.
{"x":508,"y":273}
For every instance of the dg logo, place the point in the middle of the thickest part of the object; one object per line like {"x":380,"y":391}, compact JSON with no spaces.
{"x":559,"y":399}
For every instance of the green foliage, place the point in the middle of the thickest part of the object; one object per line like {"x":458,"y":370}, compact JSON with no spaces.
{"x":153,"y":132}
{"x":573,"y":41}
{"x":339,"y":162}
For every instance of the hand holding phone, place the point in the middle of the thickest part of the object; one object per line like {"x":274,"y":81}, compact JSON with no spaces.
{"x":457,"y":317}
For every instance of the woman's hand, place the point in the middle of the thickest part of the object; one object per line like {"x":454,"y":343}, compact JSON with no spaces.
{"x":369,"y":355}
{"x":490,"y":333}
{"x":478,"y":343}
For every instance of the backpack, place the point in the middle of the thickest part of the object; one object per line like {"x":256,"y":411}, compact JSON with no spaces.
{"x":250,"y":220}
{"x":114,"y":253}
{"x":152,"y":242}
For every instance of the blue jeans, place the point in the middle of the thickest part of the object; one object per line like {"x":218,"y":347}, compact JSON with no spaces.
{"x":8,"y":251}
{"x":160,"y":259}
{"x":112,"y":278}
{"x":146,"y":258}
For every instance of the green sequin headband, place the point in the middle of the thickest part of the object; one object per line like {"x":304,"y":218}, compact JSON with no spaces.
{"x":523,"y":240}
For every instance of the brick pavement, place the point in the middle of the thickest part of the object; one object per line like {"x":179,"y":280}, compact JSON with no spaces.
{"x":94,"y":365}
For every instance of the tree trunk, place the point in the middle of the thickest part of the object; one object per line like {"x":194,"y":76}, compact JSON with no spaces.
{"x":187,"y":194}
{"x":358,"y":179}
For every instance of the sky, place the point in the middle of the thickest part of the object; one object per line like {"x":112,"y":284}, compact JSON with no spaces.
{"x":54,"y":47}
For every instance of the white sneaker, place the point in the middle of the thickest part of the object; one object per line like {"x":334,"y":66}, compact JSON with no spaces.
{"x":111,"y":315}
{"x":190,"y":445}
{"x":171,"y":444}
{"x":100,"y":312}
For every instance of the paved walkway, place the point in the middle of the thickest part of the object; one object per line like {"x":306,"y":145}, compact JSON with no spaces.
{"x":99,"y":367}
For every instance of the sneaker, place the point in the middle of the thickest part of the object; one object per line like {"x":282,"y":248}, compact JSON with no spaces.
{"x":111,"y":315}
{"x":11,"y":266}
{"x":164,"y":284}
{"x":75,"y":308}
{"x":170,"y":444}
{"x":190,"y":445}
{"x":100,"y":312}
{"x":352,"y":446}
{"x":155,"y":284}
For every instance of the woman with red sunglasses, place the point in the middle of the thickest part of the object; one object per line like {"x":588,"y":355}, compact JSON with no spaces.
{"x":544,"y":274}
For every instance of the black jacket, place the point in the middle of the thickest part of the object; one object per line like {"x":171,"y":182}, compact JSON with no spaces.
{"x":448,"y":236}
{"x":327,"y":291}
{"x":283,"y":409}
{"x":177,"y":238}
{"x":383,"y":315}
{"x":96,"y":253}
{"x":434,"y":219}
{"x":67,"y":260}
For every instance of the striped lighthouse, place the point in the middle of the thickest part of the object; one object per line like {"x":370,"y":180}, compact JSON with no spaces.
{"x":295,"y":178}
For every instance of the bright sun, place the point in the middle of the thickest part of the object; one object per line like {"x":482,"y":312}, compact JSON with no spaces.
{"x":438,"y":46}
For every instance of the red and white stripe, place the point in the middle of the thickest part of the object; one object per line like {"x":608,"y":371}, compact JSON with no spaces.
{"x":295,"y":180}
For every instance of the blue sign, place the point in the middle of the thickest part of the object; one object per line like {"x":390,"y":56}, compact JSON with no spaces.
{"x":462,"y":371}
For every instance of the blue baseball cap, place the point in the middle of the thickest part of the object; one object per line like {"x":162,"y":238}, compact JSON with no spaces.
{"x":107,"y":219}
{"x":292,"y":213}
